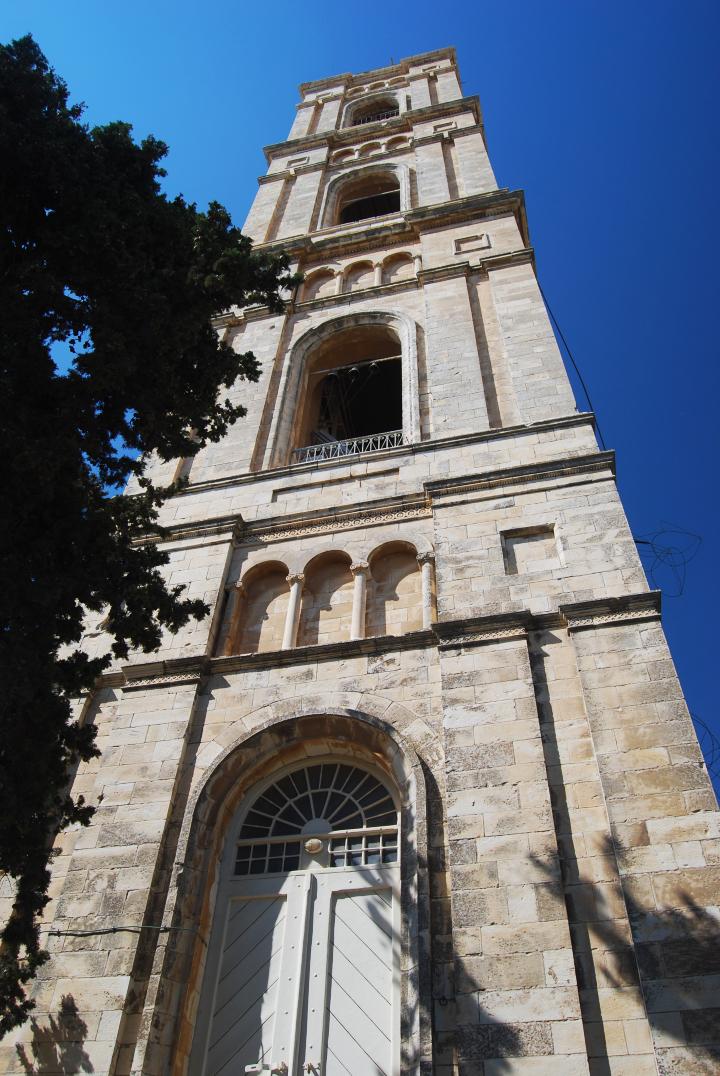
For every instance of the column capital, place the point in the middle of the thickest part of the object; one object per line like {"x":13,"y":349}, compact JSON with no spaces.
{"x":427,"y":557}
{"x":360,"y":566}
{"x":239,"y":586}
{"x":298,"y":577}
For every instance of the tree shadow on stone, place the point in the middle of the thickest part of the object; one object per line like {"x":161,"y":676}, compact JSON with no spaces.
{"x":464,"y":1034}
{"x":669,"y":955}
{"x":57,"y":1047}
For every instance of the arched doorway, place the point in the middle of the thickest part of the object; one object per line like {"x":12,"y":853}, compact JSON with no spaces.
{"x":303,"y":964}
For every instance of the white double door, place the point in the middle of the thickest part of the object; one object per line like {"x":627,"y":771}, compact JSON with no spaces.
{"x":303,"y":976}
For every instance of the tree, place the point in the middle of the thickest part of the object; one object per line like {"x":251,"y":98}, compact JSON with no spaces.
{"x":94,"y":258}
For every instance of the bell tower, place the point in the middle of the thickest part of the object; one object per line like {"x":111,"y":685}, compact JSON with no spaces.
{"x":423,"y":794}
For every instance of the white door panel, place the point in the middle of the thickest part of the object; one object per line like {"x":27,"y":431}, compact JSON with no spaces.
{"x":245,"y":1001}
{"x":360,"y":981}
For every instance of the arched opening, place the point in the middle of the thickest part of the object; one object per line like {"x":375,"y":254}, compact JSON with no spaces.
{"x":378,"y":108}
{"x":256,"y":617}
{"x":306,"y":937}
{"x":394,"y":595}
{"x":353,"y":393}
{"x":370,"y":195}
{"x":327,"y":599}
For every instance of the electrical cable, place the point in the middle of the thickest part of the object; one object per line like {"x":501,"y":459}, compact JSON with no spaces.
{"x":575,"y":366}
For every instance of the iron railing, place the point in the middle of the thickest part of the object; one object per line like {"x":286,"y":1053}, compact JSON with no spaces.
{"x":356,"y":446}
{"x":375,"y":116}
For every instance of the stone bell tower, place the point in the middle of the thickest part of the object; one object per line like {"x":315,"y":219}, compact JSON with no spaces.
{"x":423,"y":795}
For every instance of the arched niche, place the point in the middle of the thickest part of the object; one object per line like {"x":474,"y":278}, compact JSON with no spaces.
{"x":318,"y":285}
{"x":327,"y":598}
{"x":367,"y":361}
{"x":359,"y":275}
{"x":394,"y":591}
{"x":257,"y":611}
{"x":398,"y":267}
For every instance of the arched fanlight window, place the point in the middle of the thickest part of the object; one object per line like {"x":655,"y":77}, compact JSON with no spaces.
{"x":331,"y":808}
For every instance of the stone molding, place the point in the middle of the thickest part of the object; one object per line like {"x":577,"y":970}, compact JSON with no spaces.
{"x":340,"y":136}
{"x":444,"y":634}
{"x":573,"y":465}
{"x":606,"y":612}
{"x":402,"y":67}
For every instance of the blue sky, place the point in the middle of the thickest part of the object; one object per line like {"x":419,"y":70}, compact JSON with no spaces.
{"x":603,"y":112}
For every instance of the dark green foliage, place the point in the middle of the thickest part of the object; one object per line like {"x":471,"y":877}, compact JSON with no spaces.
{"x":94,"y":255}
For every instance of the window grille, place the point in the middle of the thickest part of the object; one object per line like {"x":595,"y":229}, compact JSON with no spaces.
{"x":348,"y":807}
{"x":374,"y":117}
{"x":354,"y":446}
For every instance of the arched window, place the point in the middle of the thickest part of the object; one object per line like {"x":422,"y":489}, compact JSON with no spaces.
{"x":304,"y":950}
{"x":378,"y":108}
{"x":373,"y":195}
{"x":353,"y":398}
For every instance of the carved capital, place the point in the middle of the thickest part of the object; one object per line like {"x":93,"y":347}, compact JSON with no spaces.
{"x":360,"y":566}
{"x":426,"y":558}
{"x":297,"y":578}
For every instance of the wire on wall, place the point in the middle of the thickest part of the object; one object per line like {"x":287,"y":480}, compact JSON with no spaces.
{"x":581,"y":379}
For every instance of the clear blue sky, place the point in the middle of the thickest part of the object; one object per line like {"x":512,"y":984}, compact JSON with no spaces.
{"x":604,"y":112}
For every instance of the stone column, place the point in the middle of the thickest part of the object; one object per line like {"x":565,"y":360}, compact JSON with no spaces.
{"x":338,"y":282}
{"x":360,"y":574}
{"x":418,"y":264}
{"x":292,"y":618}
{"x":427,"y":567}
{"x":377,"y":280}
{"x":237,"y":598}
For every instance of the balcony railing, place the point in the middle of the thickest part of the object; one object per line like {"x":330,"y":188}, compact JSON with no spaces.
{"x":356,"y":446}
{"x":375,"y":116}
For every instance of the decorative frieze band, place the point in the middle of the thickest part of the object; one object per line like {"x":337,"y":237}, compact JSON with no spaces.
{"x":279,"y":531}
{"x":477,"y":631}
{"x":608,"y":611}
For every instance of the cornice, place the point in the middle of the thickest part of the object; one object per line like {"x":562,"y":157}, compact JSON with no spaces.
{"x":341,"y":136}
{"x":410,"y":223}
{"x":233,"y":524}
{"x":222,"y":524}
{"x":607,"y":612}
{"x":591,"y":463}
{"x":457,"y":634}
{"x":402,"y":67}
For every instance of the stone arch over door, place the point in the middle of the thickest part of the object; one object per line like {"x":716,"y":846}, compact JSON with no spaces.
{"x":281,"y":740}
{"x":296,"y":369}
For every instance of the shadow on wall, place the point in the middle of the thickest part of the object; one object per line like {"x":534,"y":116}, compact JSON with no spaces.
{"x":58,"y":1047}
{"x":673,"y":956}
